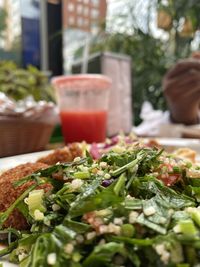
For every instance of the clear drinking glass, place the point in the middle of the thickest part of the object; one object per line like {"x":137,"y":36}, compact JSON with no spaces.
{"x":83,"y":104}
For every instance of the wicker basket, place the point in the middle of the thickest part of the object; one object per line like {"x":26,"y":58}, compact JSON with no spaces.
{"x":18,"y":136}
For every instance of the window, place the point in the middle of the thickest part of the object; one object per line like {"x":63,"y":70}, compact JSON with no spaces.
{"x":80,"y":22}
{"x":71,"y":7}
{"x":95,"y":3}
{"x":94,"y":13}
{"x":86,"y":11}
{"x":71,"y":20}
{"x":86,"y":22}
{"x":79,"y":9}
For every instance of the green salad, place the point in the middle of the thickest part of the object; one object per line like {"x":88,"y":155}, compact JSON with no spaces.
{"x":134,"y":206}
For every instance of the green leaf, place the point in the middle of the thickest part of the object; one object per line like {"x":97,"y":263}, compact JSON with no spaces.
{"x":102,"y":254}
{"x":78,"y":227}
{"x":90,"y":201}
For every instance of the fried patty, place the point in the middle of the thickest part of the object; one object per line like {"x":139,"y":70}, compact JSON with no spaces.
{"x":8,"y":193}
{"x":66,"y":154}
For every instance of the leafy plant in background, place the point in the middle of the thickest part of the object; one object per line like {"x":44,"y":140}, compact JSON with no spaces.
{"x":151,"y":57}
{"x":20,"y":83}
{"x":148,"y":65}
{"x":181,"y":19}
{"x":2,"y":21}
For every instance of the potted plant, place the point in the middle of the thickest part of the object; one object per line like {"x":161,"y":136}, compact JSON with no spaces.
{"x":27,"y":115}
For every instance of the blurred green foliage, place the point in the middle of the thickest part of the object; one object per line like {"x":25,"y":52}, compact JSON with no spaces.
{"x":148,"y":66}
{"x":19,"y":83}
{"x":185,"y":22}
{"x":151,"y":57}
{"x":2,"y":21}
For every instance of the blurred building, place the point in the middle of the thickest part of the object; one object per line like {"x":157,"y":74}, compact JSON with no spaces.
{"x":85,"y":15}
{"x":13,"y":24}
{"x":81,"y":20}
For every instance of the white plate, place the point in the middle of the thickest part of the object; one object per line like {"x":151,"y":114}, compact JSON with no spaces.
{"x":10,"y":162}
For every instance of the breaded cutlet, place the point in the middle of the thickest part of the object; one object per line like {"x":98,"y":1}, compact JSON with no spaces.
{"x":66,"y":154}
{"x":8,"y":193}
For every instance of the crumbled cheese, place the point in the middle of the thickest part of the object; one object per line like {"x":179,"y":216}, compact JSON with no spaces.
{"x":103,"y":229}
{"x":80,"y":239}
{"x":84,"y":168}
{"x":65,"y":177}
{"x":177,"y":229}
{"x":51,"y":259}
{"x":130,"y":197}
{"x":69,"y":248}
{"x":133,"y":216}
{"x":118,"y":221}
{"x":22,"y":256}
{"x":108,"y":141}
{"x":191,"y":209}
{"x":55,"y":207}
{"x":90,"y":235}
{"x":149,"y":211}
{"x":103,"y":164}
{"x":118,"y":149}
{"x":102,"y":242}
{"x":193,"y":173}
{"x":100,"y":173}
{"x":77,"y":159}
{"x":112,"y":228}
{"x":170,"y":212}
{"x":76,"y":184}
{"x":94,"y":165}
{"x":161,"y":250}
{"x":38,"y":215}
{"x":165,"y":257}
{"x":107,"y":176}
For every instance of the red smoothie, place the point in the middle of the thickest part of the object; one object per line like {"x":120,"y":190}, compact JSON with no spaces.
{"x":89,"y":126}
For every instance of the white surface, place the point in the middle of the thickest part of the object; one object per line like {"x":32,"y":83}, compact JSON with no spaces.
{"x":10,"y":162}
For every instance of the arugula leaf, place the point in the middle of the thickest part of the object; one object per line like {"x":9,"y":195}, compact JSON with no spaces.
{"x":78,"y":227}
{"x":141,"y":219}
{"x":102,"y":254}
{"x":89,"y":201}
